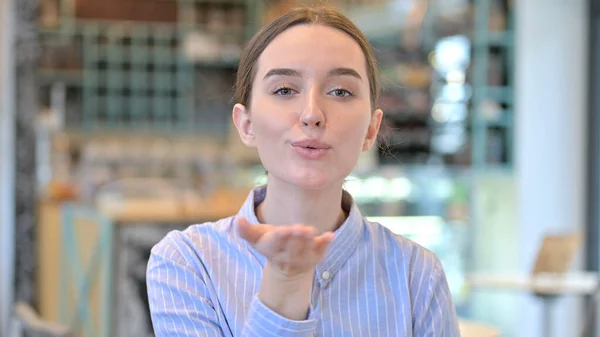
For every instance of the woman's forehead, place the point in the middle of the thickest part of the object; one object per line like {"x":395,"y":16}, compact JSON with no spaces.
{"x":312,"y":48}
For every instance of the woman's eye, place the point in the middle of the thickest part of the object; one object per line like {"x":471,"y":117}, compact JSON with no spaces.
{"x":284,"y":91}
{"x":341,"y":93}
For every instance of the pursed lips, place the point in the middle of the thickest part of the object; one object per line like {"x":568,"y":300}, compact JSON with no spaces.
{"x":311,"y":148}
{"x":311,"y":144}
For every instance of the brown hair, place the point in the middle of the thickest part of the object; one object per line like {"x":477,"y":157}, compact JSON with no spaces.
{"x":324,"y":16}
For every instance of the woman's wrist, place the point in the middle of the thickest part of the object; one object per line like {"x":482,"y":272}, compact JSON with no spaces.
{"x":287,"y":295}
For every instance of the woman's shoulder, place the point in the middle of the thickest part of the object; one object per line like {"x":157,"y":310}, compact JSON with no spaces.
{"x":194,"y":239}
{"x":401,"y":249}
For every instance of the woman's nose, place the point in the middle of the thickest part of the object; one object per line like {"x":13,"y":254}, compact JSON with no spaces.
{"x":312,"y":114}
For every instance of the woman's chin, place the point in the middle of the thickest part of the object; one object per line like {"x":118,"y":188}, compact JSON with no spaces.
{"x":311,"y":185}
{"x":311,"y":180}
{"x":308,"y":178}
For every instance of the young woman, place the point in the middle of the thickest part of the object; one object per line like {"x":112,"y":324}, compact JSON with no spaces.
{"x":299,"y":259}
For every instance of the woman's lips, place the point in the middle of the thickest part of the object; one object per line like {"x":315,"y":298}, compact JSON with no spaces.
{"x":311,"y":148}
{"x":309,"y":152}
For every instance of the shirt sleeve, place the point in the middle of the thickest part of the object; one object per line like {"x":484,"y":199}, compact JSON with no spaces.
{"x":262,"y":322}
{"x":435,"y":315}
{"x":180,"y":301}
{"x":178,"y":298}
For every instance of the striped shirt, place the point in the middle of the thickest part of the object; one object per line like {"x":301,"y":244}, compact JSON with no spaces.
{"x":204,"y":281}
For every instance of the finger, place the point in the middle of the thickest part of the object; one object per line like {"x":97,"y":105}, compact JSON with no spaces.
{"x":307,"y":231}
{"x":301,"y":241}
{"x":309,"y":235}
{"x":274,"y":242}
{"x":249,"y":232}
{"x":294,"y":247}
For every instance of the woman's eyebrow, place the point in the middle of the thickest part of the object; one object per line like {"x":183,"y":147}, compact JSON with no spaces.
{"x":282,"y":72}
{"x":295,"y":73}
{"x":344,"y":72}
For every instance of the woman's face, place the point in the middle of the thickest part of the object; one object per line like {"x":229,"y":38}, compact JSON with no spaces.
{"x":310,"y":112}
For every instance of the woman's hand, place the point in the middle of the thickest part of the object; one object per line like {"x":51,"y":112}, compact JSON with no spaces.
{"x":292,"y":251}
{"x":292,"y":254}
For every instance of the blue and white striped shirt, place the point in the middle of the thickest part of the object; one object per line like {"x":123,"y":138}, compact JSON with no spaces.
{"x":204,"y":281}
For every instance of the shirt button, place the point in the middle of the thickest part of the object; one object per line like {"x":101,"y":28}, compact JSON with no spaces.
{"x":326,"y":275}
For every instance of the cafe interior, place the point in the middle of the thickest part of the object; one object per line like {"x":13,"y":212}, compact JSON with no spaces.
{"x":116,"y":128}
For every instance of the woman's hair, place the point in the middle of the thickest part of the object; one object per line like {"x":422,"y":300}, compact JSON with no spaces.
{"x":323,"y":16}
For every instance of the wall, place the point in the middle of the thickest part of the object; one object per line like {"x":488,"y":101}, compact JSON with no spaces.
{"x":6,"y":165}
{"x":551,"y":95}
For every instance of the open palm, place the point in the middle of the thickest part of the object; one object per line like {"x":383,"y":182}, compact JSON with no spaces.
{"x":292,"y":250}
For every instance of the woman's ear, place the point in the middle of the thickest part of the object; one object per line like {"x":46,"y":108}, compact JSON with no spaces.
{"x":243,"y":124}
{"x":373,"y":129}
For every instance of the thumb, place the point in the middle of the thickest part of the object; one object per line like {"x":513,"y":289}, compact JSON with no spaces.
{"x":323,"y":241}
{"x":249,"y":232}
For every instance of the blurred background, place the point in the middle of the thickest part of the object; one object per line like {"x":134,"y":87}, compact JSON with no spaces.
{"x":115,"y":129}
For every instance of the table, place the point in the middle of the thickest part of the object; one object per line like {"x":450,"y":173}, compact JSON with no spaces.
{"x":474,"y":329}
{"x":545,"y":286}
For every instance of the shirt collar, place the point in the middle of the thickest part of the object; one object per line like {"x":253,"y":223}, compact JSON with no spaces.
{"x":345,"y":240}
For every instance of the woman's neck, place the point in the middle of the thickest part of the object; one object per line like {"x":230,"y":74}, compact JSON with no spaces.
{"x":287,"y":204}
